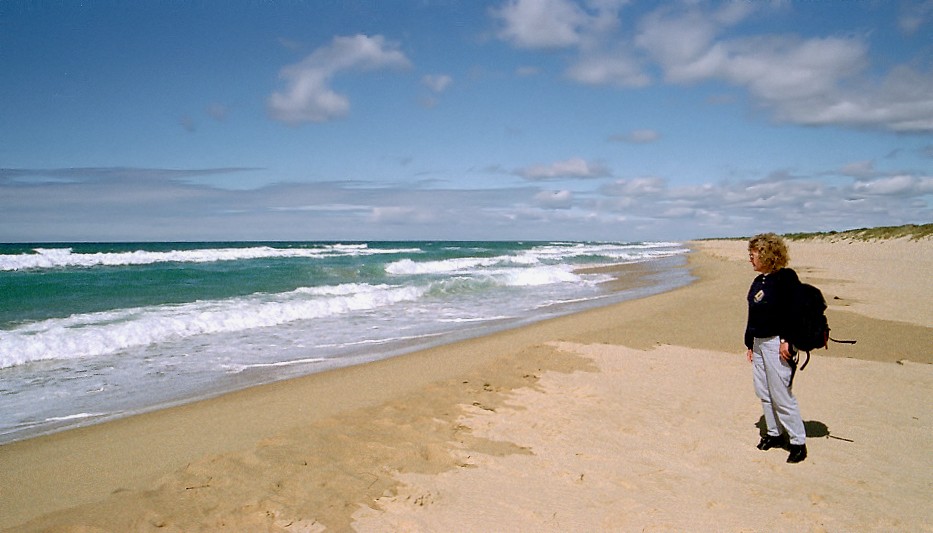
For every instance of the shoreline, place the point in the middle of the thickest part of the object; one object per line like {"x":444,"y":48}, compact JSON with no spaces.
{"x":629,"y":281}
{"x":257,"y":451}
{"x":193,"y":428}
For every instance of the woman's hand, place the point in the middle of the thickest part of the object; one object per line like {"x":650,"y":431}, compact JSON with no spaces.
{"x":749,"y":355}
{"x":785,"y":351}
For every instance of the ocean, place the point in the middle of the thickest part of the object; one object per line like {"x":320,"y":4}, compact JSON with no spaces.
{"x":91,"y":332}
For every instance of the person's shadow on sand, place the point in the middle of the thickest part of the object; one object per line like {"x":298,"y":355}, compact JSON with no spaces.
{"x":815,"y":429}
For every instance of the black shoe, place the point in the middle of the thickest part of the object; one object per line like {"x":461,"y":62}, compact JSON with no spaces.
{"x":770,"y":441}
{"x":798,"y":452}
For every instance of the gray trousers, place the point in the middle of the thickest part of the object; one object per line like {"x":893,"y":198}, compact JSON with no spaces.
{"x":772,"y":377}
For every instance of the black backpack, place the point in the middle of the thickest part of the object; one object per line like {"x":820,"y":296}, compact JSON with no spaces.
{"x":808,"y":328}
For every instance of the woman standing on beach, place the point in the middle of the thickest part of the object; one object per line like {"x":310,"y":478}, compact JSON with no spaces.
{"x":768,"y":351}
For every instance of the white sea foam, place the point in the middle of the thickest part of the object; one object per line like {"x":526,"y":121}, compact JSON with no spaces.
{"x":66,"y":257}
{"x":444,"y":266}
{"x":613,"y":252}
{"x":94,"y":334}
{"x":109,"y":332}
{"x":551,"y":253}
{"x":238,"y":368}
{"x":467,"y":320}
{"x":532,"y":277}
{"x":372,"y":342}
{"x":78,"y":416}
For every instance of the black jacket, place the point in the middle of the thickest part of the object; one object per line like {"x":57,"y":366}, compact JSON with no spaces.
{"x":769,"y":302}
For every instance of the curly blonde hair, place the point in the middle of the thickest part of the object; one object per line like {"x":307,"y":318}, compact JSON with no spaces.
{"x":772,"y":252}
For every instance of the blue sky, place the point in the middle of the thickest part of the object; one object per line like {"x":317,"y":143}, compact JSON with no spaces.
{"x":446,"y":119}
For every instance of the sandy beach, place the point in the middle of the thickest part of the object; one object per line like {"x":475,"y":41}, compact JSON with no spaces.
{"x":635,"y":417}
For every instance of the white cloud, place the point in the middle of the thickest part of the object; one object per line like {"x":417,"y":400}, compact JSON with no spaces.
{"x":679,"y":212}
{"x":616,"y":68}
{"x":781,"y":69}
{"x":402,"y":215}
{"x":803,"y":80}
{"x":555,"y":199}
{"x":571,"y":168}
{"x":688,"y":47}
{"x":859,"y":169}
{"x":780,"y":202}
{"x":437,"y":83}
{"x":635,"y":187}
{"x":544,"y":24}
{"x":163,"y":204}
{"x":541,"y":23}
{"x":308,"y":96}
{"x":900,"y":185}
{"x":901,"y":102}
{"x":676,"y":41}
{"x":815,"y":81}
{"x":914,"y":16}
{"x":325,"y":208}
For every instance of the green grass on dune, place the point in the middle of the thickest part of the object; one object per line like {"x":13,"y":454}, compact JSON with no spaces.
{"x":907,"y":231}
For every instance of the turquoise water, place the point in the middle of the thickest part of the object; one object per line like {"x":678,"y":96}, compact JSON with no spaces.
{"x":90,"y":332}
